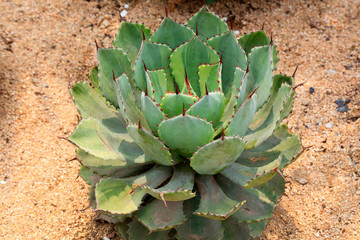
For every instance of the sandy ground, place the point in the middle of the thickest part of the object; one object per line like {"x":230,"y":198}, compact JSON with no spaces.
{"x":44,"y":45}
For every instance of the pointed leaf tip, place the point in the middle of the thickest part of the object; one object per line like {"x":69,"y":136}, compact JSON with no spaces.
{"x":293,"y":75}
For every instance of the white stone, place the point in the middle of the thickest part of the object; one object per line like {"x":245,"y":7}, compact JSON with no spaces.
{"x":123,"y":13}
{"x":126,"y":6}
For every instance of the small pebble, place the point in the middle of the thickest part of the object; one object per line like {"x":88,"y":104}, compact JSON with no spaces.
{"x":236,"y":32}
{"x":301,"y":176}
{"x":311,"y":90}
{"x":2,"y":182}
{"x":123,"y":13}
{"x":330,"y":71}
{"x":126,"y":6}
{"x":105,"y":24}
{"x":339,"y":102}
{"x":106,"y":238}
{"x":224,"y":19}
{"x":342,"y":109}
{"x":328,"y":125}
{"x":305,"y":102}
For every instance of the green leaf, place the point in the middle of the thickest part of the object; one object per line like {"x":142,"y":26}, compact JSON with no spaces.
{"x":210,"y":107}
{"x":260,"y":73}
{"x":257,"y":227}
{"x":86,"y":174}
{"x":200,"y":228}
{"x":207,"y":24}
{"x":152,"y":113}
{"x":108,"y":167}
{"x":256,"y":39}
{"x":185,"y":59}
{"x":265,"y":110}
{"x":276,"y":185}
{"x":254,"y":137}
{"x":184,"y":134}
{"x":122,"y":230}
{"x":209,"y":77}
{"x":101,"y":141}
{"x":151,"y":146}
{"x":130,"y":37}
{"x":211,"y":195}
{"x":129,"y":104}
{"x":94,"y":79}
{"x":233,"y":230}
{"x":217,"y":155}
{"x":124,"y":196}
{"x":232,"y":56}
{"x":258,"y":205}
{"x":154,"y":56}
{"x":156,"y":217}
{"x":240,"y":82}
{"x":174,"y":104}
{"x":251,"y":176}
{"x":288,"y":106}
{"x":139,"y":231}
{"x":158,"y":84}
{"x":90,"y":104}
{"x":172,"y":33}
{"x":112,"y":60}
{"x":179,"y":188}
{"x":243,"y":117}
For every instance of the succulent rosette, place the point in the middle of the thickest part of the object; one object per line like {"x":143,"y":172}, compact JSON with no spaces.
{"x":181,"y":133}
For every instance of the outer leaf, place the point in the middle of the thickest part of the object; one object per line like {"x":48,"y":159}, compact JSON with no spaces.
{"x":250,"y":176}
{"x":151,"y":146}
{"x":179,"y":188}
{"x":200,"y":228}
{"x":211,"y":196}
{"x":90,"y":104}
{"x":280,"y":141}
{"x":243,"y":117}
{"x":156,"y":217}
{"x":232,"y":56}
{"x":107,"y":143}
{"x":94,"y":72}
{"x":138,"y":231}
{"x":154,"y":56}
{"x":210,"y":107}
{"x":184,"y":134}
{"x":152,"y":113}
{"x":108,"y":167}
{"x":123,"y":196}
{"x":185,"y":59}
{"x":233,"y":230}
{"x":240,"y":82}
{"x":257,"y":227}
{"x":257,"y":136}
{"x":255,"y":39}
{"x":207,"y":24}
{"x":217,"y":155}
{"x":112,"y":60}
{"x":278,"y":81}
{"x":129,"y":104}
{"x":130,"y":37}
{"x":172,"y":33}
{"x":260,"y":73}
{"x":257,"y":207}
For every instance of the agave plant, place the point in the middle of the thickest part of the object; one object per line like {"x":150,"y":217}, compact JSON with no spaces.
{"x":181,"y":133}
